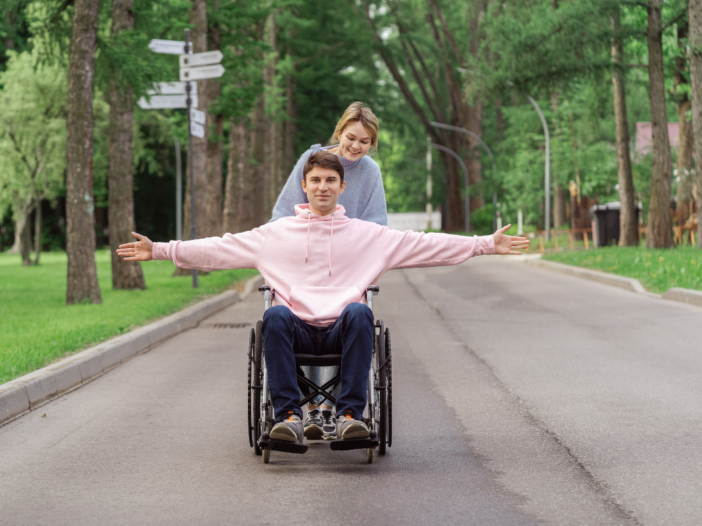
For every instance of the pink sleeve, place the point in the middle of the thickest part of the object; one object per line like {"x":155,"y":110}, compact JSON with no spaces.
{"x":215,"y":253}
{"x":416,"y":249}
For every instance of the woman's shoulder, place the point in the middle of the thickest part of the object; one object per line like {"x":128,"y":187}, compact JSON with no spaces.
{"x":368,"y":164}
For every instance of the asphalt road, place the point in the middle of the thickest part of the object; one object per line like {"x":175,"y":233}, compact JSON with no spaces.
{"x":521,"y":396}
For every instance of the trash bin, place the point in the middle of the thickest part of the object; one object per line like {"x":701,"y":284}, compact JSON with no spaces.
{"x":605,"y":223}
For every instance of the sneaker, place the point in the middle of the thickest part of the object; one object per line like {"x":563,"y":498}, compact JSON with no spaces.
{"x":329,"y":425}
{"x":289,"y":429}
{"x":348,"y":427}
{"x":313,"y":425}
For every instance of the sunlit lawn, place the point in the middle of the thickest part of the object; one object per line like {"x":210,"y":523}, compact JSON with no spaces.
{"x":36,"y":326}
{"x":657,"y":270}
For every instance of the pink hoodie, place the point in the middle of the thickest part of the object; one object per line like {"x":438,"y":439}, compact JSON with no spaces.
{"x":319,"y":264}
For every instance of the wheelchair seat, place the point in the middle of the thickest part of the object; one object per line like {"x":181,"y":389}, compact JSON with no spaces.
{"x":318,"y":361}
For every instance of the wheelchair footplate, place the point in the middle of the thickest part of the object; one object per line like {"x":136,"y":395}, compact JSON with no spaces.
{"x":347,"y":444}
{"x":265,"y":442}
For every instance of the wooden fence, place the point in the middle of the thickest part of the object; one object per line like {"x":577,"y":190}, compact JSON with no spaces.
{"x":570,"y":233}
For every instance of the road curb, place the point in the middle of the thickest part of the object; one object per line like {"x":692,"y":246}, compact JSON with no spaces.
{"x":689,"y":296}
{"x":693,"y":297}
{"x":36,"y":388}
{"x":630,"y":284}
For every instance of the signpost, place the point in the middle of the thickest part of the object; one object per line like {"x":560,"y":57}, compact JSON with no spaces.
{"x":169,"y":47}
{"x":183,"y":94}
{"x":202,"y":72}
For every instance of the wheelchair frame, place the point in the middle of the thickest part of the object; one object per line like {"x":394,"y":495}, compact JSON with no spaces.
{"x":378,"y":399}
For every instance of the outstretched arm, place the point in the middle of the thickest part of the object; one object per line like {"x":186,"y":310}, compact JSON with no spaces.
{"x":417,"y":249}
{"x":142,"y":250}
{"x":240,"y":250}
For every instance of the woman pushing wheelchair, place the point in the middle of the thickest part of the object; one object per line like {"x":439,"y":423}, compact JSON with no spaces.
{"x":320,"y":263}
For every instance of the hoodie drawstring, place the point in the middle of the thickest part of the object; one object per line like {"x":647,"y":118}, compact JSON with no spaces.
{"x":307,"y":249}
{"x":331,"y":236}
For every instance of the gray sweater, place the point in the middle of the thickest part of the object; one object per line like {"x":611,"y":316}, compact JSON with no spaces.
{"x":363,"y":198}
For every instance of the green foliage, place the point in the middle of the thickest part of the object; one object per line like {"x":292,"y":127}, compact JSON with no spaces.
{"x":657,"y":270}
{"x":32,"y":132}
{"x":38,"y":327}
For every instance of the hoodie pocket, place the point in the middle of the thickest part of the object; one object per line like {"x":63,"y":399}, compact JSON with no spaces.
{"x":322,"y":304}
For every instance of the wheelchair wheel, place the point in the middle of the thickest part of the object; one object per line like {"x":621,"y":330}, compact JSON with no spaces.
{"x":381,"y":391}
{"x":388,"y":368}
{"x":257,"y":386}
{"x":252,"y":369}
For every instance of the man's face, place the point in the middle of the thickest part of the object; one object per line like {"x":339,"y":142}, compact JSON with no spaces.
{"x":323,"y":187}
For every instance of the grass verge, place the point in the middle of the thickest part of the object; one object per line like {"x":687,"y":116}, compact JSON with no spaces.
{"x":38,"y":327}
{"x":657,"y":270}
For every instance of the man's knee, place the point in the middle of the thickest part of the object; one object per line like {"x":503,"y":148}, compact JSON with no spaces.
{"x":278,"y":315}
{"x":357,"y":312}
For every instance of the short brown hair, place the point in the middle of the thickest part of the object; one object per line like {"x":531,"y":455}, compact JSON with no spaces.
{"x":323,"y":160}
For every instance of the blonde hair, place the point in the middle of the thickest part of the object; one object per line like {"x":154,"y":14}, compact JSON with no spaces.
{"x":357,"y":112}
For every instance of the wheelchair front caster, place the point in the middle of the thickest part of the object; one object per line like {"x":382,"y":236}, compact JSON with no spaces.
{"x":266,"y":456}
{"x":369,"y":455}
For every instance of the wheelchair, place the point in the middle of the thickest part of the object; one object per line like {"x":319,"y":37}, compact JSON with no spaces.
{"x":378,"y":412}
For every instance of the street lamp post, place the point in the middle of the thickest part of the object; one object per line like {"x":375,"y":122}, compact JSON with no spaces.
{"x":547,"y":175}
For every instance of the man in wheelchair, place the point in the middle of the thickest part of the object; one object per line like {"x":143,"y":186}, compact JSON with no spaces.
{"x":320,"y":263}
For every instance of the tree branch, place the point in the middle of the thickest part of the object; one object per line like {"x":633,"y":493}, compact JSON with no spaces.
{"x":394,"y":71}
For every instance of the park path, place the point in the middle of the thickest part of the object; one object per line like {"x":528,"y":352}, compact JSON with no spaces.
{"x":520,"y":396}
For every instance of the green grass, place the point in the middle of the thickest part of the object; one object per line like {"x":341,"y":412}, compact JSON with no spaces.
{"x":657,"y":270}
{"x":37,"y":326}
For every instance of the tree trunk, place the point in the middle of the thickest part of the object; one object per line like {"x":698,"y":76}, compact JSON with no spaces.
{"x":290,"y":126}
{"x":37,"y":233}
{"x":628,"y":227}
{"x":454,"y":188}
{"x":474,"y":121}
{"x":659,"y":230}
{"x":82,"y":283}
{"x":695,"y":12}
{"x":198,"y":18}
{"x":214,"y":151}
{"x":684,"y":176}
{"x":257,"y":175}
{"x":237,"y":215}
{"x":272,"y":131}
{"x":126,"y":275}
{"x":559,"y":212}
{"x":26,"y":238}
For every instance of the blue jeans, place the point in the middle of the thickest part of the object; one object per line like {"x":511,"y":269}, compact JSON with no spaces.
{"x":286,"y":335}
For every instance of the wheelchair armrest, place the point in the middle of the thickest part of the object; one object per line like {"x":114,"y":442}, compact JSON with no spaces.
{"x":375,"y":289}
{"x":266,"y":288}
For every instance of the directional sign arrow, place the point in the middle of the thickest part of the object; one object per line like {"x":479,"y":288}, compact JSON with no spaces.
{"x":197,"y":130}
{"x":169,"y":47}
{"x":200,"y":59}
{"x":201,"y":73}
{"x":198,"y":116}
{"x":171,"y":88}
{"x":161,"y":102}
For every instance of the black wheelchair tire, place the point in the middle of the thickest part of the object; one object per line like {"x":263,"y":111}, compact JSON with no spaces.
{"x":388,"y":353}
{"x":382,"y":416}
{"x":252,"y":339}
{"x":257,"y":393}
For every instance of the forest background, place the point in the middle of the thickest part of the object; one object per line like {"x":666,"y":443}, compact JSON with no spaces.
{"x":293,"y":66}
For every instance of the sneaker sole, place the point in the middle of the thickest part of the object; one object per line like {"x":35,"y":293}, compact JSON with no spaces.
{"x":330,"y":437}
{"x":314,"y":432}
{"x":284,"y":433}
{"x":356,"y":431}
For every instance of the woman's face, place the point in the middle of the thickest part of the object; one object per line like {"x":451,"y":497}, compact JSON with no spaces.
{"x":354,"y":142}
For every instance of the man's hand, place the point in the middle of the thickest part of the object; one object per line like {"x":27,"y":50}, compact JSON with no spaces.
{"x":508,"y":244}
{"x":139,"y":251}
